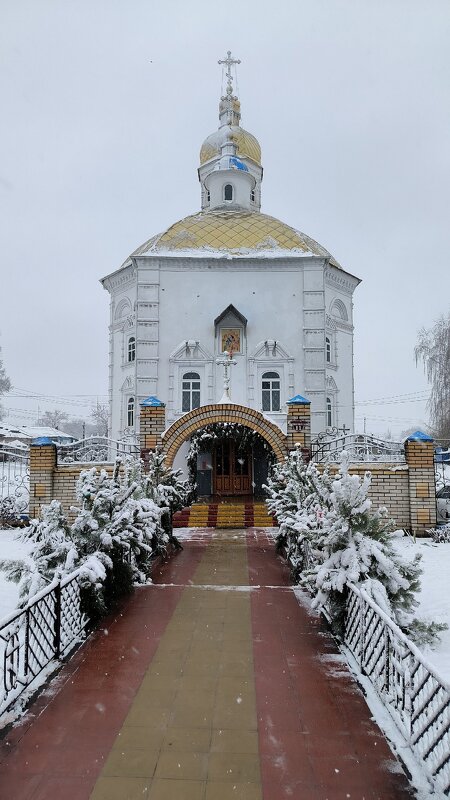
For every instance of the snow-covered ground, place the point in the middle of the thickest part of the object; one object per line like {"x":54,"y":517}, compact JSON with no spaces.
{"x":10,"y":547}
{"x":434,"y":596}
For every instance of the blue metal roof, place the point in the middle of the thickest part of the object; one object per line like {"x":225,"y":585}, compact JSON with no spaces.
{"x":419,"y":436}
{"x":41,"y":440}
{"x":298,"y":400}
{"x":151,"y":402}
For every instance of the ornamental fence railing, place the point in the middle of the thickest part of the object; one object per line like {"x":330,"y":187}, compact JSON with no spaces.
{"x":417,"y":698}
{"x":14,"y":481}
{"x":327,"y":448}
{"x":34,"y":636}
{"x":97,"y":450}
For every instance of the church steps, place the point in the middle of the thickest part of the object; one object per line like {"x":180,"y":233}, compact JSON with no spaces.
{"x":227,"y":514}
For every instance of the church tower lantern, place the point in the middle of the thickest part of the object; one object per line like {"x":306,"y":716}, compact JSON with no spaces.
{"x":230,"y":171}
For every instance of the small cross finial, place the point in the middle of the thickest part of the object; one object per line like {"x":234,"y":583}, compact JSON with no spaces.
{"x":229,"y":61}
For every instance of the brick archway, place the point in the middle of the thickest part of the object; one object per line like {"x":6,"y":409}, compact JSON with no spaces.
{"x":183,"y":428}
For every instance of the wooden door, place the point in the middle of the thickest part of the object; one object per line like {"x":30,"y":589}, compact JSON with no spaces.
{"x":232,"y":470}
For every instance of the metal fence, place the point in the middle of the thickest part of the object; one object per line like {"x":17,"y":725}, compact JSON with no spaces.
{"x":327,"y":447}
{"x":14,"y":480}
{"x":411,"y":689}
{"x":96,"y":450}
{"x":32,"y":637}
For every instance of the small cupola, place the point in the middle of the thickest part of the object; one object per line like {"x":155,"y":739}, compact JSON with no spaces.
{"x":230,"y":171}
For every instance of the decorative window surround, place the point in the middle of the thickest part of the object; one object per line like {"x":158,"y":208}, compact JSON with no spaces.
{"x":269,"y":356}
{"x":189,"y":356}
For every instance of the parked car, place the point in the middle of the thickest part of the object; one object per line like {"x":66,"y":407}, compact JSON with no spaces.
{"x":443,"y":505}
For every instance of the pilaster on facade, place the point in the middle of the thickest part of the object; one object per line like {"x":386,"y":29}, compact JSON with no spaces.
{"x":314,"y":342}
{"x":147,"y":327}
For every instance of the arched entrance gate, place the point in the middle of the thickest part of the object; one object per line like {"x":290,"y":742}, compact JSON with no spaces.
{"x":225,"y":468}
{"x":153,"y":432}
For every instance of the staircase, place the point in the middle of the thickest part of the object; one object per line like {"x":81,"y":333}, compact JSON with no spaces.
{"x":230,"y":514}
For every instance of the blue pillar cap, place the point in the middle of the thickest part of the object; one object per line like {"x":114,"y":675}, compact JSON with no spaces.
{"x":152,"y":402}
{"x":298,"y":400}
{"x":41,"y":440}
{"x":419,"y":436}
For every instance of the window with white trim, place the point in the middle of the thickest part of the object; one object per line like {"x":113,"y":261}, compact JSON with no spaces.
{"x":130,"y":412}
{"x":131,"y":349}
{"x":228,"y":192}
{"x":270,"y":391}
{"x":190,"y":393}
{"x":328,"y":349}
{"x":329,"y":413}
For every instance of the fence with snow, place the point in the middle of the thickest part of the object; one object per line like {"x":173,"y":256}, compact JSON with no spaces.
{"x":33,"y":638}
{"x":14,"y":480}
{"x":410,"y":688}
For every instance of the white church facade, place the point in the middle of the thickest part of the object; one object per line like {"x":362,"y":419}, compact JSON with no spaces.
{"x":231,"y":279}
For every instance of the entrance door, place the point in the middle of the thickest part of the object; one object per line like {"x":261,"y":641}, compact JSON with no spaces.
{"x":232,"y":470}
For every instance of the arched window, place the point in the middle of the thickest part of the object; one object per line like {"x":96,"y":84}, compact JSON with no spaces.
{"x":190,"y":395}
{"x":329,"y":413}
{"x":270,"y":391}
{"x":328,"y":349}
{"x":130,"y":412}
{"x":131,"y":348}
{"x":228,"y":192}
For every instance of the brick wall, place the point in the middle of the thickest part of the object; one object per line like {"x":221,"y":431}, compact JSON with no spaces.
{"x":65,"y":477}
{"x":389,"y":487}
{"x":407,"y":490}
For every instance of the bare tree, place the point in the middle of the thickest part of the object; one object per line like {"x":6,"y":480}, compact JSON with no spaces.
{"x":5,"y":384}
{"x":433,"y":348}
{"x":53,"y":418}
{"x":80,"y":428}
{"x":100,"y":415}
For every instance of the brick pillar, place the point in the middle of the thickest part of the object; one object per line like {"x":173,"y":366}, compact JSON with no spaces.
{"x":299,"y":425}
{"x":152,"y":423}
{"x":419,"y":451}
{"x":42,"y":468}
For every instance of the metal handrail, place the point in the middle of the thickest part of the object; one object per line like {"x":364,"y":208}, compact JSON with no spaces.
{"x":360,"y":447}
{"x":33,"y":637}
{"x":95,"y":450}
{"x":412,"y":690}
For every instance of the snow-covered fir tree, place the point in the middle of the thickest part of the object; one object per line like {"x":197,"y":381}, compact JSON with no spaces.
{"x":50,"y":555}
{"x":117,"y":531}
{"x":333,"y":538}
{"x":296,"y":498}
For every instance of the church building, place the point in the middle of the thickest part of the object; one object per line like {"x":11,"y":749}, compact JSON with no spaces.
{"x":231,"y":305}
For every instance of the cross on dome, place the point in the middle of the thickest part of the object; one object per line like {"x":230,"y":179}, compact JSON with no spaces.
{"x":229,"y":61}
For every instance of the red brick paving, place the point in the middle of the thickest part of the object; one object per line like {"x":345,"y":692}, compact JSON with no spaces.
{"x":316,"y":737}
{"x":59,"y":749}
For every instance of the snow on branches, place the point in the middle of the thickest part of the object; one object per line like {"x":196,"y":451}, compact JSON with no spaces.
{"x":121,"y":522}
{"x":333,"y":538}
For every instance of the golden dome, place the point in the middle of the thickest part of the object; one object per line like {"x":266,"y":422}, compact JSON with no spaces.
{"x":246,"y":143}
{"x":233,"y":232}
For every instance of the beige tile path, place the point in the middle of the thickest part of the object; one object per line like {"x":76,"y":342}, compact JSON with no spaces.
{"x":191,"y":732}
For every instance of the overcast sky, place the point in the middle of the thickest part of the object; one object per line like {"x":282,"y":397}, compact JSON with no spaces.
{"x":105,"y":104}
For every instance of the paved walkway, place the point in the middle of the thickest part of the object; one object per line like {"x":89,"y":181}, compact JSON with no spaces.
{"x":212,"y":684}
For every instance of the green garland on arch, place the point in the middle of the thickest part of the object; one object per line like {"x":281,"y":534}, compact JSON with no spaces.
{"x":216,"y":432}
